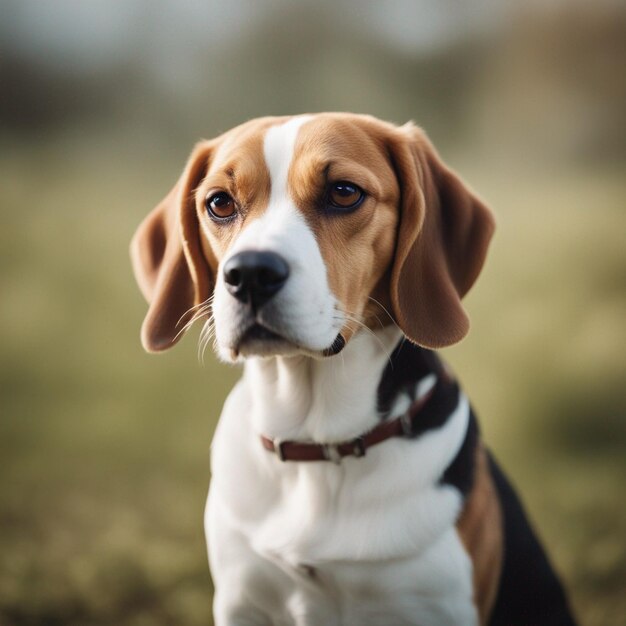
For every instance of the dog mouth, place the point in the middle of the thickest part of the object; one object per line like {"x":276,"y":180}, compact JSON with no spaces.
{"x":260,"y":340}
{"x":258,"y":332}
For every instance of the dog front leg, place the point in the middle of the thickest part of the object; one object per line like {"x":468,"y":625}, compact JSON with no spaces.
{"x":249,"y":590}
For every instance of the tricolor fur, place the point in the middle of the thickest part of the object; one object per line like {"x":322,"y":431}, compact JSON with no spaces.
{"x":416,"y":532}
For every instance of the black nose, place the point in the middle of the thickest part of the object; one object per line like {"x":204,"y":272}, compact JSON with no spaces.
{"x":254,"y":277}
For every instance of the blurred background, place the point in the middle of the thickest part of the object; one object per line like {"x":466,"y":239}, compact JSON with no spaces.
{"x":105,"y":450}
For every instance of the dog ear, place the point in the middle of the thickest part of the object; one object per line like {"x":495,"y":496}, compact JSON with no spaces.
{"x":441,"y":245}
{"x":167,"y":258}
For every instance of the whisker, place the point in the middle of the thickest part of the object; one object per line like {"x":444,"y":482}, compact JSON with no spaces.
{"x":353,"y":318}
{"x":202,"y":309}
{"x":393,"y":321}
{"x":206,"y":334}
{"x":204,"y":303}
{"x":198,"y":315}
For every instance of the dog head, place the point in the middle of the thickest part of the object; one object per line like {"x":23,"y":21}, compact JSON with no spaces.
{"x":290,"y":234}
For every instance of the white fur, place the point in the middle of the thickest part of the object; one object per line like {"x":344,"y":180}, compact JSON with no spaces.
{"x":371,"y":541}
{"x":304,"y":311}
{"x":378,"y":530}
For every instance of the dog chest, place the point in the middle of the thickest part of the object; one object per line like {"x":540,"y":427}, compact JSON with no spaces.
{"x":433,"y":588}
{"x":372,"y":537}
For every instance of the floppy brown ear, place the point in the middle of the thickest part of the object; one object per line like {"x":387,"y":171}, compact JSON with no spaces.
{"x":167,"y":259}
{"x":441,"y":246}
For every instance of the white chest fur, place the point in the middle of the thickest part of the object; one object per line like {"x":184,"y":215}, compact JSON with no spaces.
{"x":370,"y":541}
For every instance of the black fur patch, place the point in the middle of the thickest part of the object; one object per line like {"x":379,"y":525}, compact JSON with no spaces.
{"x":409,"y":364}
{"x":529,"y":593}
{"x":460,"y":473}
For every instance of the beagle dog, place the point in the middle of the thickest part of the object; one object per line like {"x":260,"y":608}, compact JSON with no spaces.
{"x":329,"y":253}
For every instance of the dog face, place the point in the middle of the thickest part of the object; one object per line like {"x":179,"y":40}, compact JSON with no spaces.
{"x":295,"y":232}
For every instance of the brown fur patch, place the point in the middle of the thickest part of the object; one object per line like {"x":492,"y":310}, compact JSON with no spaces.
{"x":480,"y":529}
{"x":237,"y":167}
{"x":443,"y":238}
{"x":358,"y":246}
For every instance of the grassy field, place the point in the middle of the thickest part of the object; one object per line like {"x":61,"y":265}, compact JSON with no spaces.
{"x":105,"y":450}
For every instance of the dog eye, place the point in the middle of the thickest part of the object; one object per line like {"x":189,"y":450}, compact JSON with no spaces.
{"x":345,"y":195}
{"x":220,"y":205}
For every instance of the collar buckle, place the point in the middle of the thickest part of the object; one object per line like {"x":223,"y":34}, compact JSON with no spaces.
{"x":331,"y":453}
{"x":406,"y":424}
{"x":279,"y":450}
{"x":358,"y":447}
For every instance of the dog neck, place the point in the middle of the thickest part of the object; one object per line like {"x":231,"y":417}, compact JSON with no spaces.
{"x":336,"y":398}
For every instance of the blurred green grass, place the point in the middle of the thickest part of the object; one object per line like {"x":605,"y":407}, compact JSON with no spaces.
{"x":105,"y":450}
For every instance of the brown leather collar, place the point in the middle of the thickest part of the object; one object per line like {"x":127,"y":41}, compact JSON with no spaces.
{"x":403,"y":426}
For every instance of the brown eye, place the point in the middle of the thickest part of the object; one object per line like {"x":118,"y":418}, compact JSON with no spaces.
{"x":220,"y":205}
{"x":344,"y":195}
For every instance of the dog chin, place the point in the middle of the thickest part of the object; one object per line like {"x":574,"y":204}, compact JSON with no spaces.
{"x":260,"y":341}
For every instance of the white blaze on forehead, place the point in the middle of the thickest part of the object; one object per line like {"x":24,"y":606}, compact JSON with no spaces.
{"x":282,"y":222}
{"x":278,"y":149}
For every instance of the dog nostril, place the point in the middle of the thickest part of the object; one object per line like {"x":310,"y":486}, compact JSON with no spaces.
{"x":233,"y":277}
{"x":268,"y":277}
